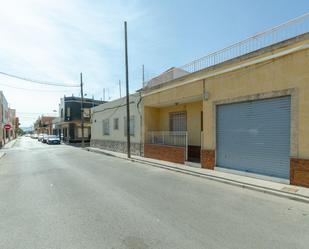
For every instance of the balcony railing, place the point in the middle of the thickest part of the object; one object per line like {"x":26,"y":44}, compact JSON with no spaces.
{"x":285,"y":31}
{"x":171,"y":138}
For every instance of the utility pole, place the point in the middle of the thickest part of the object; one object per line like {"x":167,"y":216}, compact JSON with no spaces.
{"x":120,"y":88}
{"x":143,"y":75}
{"x":127,"y":90}
{"x":103,"y":94}
{"x":82,"y":108}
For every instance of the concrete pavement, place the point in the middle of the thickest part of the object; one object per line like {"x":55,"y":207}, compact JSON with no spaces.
{"x":63,"y":197}
{"x":262,"y":185}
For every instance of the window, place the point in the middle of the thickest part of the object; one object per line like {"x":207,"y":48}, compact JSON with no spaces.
{"x":86,"y":112}
{"x":132,"y":126}
{"x":68,"y":112}
{"x":79,"y":132}
{"x":178,"y":121}
{"x":106,"y":127}
{"x":116,"y":123}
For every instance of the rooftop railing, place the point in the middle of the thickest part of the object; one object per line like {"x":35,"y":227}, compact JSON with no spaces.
{"x":285,"y":31}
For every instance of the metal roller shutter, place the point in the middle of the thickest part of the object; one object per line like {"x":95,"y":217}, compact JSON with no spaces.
{"x":254,"y":136}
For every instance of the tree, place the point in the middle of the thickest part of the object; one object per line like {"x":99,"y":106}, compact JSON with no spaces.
{"x":19,"y":132}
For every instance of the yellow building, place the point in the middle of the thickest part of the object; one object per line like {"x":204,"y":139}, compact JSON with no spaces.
{"x":242,"y":109}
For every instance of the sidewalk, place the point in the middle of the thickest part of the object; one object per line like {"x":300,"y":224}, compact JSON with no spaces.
{"x":274,"y":188}
{"x":2,"y":154}
{"x":8,"y":145}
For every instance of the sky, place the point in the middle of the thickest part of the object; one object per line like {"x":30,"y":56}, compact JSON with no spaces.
{"x":57,"y":40}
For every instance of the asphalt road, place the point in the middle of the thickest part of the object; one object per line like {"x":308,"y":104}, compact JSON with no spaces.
{"x":62,"y":197}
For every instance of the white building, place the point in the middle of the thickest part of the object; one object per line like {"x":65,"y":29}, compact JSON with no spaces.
{"x":4,"y":117}
{"x":108,"y":125}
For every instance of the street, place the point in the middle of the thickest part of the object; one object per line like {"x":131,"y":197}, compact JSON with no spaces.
{"x":59,"y":196}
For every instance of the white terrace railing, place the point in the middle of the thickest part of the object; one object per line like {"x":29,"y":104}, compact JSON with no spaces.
{"x":285,"y":31}
{"x":171,"y":138}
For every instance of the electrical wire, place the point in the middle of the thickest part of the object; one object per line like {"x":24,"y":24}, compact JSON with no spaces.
{"x":36,"y":90}
{"x":35,"y":114}
{"x":115,"y":109}
{"x":37,"y":81}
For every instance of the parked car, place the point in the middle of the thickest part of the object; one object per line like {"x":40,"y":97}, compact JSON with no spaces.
{"x":44,"y":138}
{"x":53,"y":139}
{"x":34,"y":136}
{"x":40,"y":137}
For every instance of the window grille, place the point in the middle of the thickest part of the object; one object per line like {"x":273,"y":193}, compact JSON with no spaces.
{"x":132,"y":125}
{"x":178,"y":121}
{"x":105,"y":127}
{"x":116,"y":123}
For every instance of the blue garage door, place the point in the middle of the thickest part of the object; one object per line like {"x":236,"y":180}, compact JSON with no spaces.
{"x":254,"y":136}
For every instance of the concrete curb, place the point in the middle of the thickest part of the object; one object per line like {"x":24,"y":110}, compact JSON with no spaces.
{"x":10,"y":144}
{"x":294,"y":196}
{"x":2,"y":154}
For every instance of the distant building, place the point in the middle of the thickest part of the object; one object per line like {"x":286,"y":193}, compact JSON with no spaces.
{"x":108,"y":125}
{"x":43,"y":125}
{"x":11,"y":122}
{"x":68,"y":124}
{"x":7,"y":117}
{"x":3,"y":118}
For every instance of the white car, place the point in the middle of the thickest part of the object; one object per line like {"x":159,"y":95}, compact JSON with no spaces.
{"x":40,"y":137}
{"x":53,"y":139}
{"x":34,"y":136}
{"x":44,"y":138}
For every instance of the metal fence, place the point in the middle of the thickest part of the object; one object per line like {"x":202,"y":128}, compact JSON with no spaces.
{"x":171,"y":138}
{"x":285,"y":31}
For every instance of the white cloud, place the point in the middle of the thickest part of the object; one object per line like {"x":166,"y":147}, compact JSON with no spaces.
{"x":55,"y":41}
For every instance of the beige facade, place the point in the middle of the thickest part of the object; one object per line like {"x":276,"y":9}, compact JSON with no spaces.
{"x":278,"y":70}
{"x":158,"y":118}
{"x":43,"y":125}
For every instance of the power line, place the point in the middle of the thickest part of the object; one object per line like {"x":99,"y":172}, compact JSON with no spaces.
{"x":29,"y":89}
{"x":36,"y":114}
{"x":37,"y":81}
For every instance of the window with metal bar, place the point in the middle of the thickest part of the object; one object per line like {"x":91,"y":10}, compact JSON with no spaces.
{"x":116,"y":123}
{"x":106,"y":127}
{"x":178,"y":121}
{"x":132,"y":125}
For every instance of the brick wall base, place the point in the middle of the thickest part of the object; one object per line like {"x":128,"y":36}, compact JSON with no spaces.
{"x":299,"y":172}
{"x":208,"y":159}
{"x":167,"y":153}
